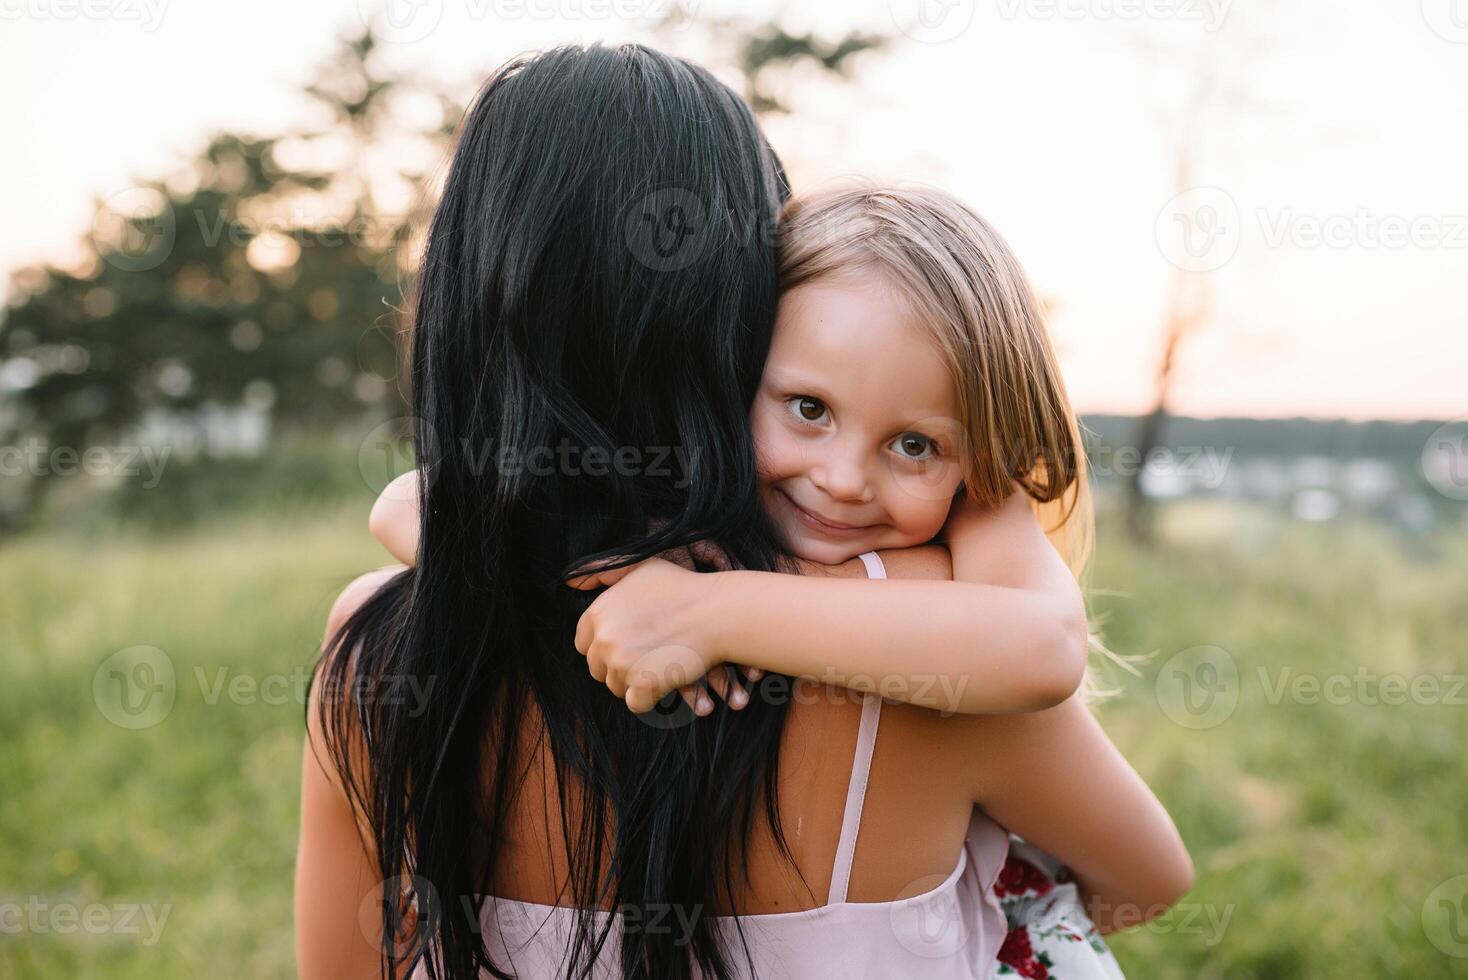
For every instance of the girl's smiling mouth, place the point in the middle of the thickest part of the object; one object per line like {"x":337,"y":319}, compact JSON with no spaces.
{"x":824,"y":526}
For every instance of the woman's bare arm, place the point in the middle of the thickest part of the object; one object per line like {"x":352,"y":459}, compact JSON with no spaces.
{"x":1056,"y":779}
{"x":336,"y":872}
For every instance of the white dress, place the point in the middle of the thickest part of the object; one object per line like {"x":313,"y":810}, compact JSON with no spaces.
{"x":1050,"y":934}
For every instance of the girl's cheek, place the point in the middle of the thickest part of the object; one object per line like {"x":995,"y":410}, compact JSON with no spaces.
{"x":759,"y":433}
{"x":772,"y":449}
{"x":919,"y":517}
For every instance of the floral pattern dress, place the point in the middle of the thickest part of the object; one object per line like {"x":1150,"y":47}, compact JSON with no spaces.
{"x":1050,"y":934}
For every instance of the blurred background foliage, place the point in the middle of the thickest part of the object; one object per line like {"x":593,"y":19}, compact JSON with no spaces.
{"x":236,"y":304}
{"x":240,"y":322}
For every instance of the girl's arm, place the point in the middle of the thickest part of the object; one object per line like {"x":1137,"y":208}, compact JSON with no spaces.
{"x":1054,"y":778}
{"x":1008,"y":634}
{"x":335,"y":868}
{"x":1010,"y":637}
{"x":394,"y":518}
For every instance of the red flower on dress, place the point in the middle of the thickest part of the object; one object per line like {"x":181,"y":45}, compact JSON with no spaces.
{"x":1020,"y":876}
{"x":1019,"y":955}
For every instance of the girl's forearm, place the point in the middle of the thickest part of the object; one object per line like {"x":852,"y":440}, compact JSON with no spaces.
{"x":954,"y":646}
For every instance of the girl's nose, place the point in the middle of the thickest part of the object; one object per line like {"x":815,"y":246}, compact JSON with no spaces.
{"x":842,"y":478}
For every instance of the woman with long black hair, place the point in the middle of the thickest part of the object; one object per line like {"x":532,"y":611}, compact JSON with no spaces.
{"x":563,"y":301}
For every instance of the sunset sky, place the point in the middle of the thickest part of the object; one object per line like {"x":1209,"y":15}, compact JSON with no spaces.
{"x":1333,"y":223}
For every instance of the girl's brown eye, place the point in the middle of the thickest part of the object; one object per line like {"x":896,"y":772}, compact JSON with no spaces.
{"x":810,"y":409}
{"x":916,"y":447}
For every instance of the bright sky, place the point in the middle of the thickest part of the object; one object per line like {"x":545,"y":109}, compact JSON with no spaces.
{"x":1334,"y":225}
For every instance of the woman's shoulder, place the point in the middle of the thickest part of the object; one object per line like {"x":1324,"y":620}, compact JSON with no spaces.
{"x":357,"y":591}
{"x":330,"y":730}
{"x":963,"y":749}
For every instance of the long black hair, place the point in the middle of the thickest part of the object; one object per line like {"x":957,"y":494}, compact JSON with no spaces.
{"x":590,"y":320}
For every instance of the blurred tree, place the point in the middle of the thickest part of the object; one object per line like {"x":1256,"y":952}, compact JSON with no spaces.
{"x":1200,"y":83}
{"x":258,"y":279}
{"x":761,"y":52}
{"x":264,"y":279}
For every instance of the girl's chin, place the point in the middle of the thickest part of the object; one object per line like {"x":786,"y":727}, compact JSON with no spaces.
{"x":821,"y":552}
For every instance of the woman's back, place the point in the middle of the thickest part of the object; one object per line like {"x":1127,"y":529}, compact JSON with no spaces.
{"x":893,"y":870}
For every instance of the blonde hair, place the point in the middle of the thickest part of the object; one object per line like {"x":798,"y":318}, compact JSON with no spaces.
{"x":964,"y":284}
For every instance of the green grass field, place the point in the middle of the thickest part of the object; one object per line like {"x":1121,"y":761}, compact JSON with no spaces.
{"x":145,"y":844}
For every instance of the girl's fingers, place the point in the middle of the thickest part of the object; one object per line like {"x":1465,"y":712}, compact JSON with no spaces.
{"x":596,"y":576}
{"x":718,"y":680}
{"x":724,"y":684}
{"x":696,"y":698}
{"x":751,"y":674}
{"x":585,"y":631}
{"x":616,"y":682}
{"x":738,"y":694}
{"x":598,"y":673}
{"x":711,"y":554}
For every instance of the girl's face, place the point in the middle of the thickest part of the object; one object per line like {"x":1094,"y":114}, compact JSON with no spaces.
{"x":855,"y":423}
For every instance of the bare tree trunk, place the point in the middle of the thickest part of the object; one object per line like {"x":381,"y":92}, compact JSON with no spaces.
{"x":1189,"y":304}
{"x":1139,"y":513}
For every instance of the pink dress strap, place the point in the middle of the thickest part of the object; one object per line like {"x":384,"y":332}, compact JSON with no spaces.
{"x":861,"y":765}
{"x":873,"y":563}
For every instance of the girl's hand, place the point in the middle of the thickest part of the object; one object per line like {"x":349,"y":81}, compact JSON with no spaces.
{"x":654,"y":630}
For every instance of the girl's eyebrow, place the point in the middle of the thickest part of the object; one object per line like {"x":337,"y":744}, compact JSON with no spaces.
{"x":796,"y":381}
